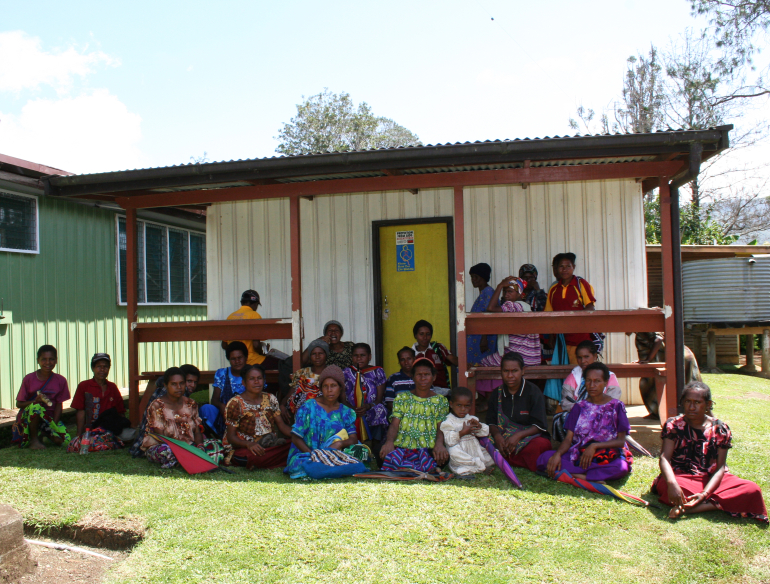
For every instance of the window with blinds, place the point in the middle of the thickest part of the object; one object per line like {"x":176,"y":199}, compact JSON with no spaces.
{"x":171,"y":264}
{"x":18,"y":223}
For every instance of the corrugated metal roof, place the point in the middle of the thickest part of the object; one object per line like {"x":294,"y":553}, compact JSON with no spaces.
{"x":431,"y":158}
{"x":403,"y":148}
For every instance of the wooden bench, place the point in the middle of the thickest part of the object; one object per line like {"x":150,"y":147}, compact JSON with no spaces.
{"x":621,"y":370}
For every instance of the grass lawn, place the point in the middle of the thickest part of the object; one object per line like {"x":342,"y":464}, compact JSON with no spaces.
{"x":262,"y":527}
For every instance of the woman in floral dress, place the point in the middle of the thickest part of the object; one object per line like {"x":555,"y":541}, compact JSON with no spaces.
{"x":694,"y":476}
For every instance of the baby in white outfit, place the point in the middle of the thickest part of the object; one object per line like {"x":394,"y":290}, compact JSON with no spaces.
{"x":461,"y":432}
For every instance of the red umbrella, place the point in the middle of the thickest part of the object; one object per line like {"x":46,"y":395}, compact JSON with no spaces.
{"x":193,"y":460}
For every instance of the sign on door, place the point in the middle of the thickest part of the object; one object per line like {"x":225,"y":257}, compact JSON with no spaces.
{"x":405,"y":251}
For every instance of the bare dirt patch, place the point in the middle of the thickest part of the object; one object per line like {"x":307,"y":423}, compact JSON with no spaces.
{"x":59,"y":566}
{"x":97,"y":530}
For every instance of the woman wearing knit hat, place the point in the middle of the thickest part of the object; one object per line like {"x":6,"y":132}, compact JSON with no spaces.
{"x":323,"y":423}
{"x":479,"y":346}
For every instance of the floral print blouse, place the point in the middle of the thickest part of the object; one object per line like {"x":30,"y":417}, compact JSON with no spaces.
{"x":342,"y":359}
{"x":180,"y":425}
{"x":251,"y":422}
{"x":696,"y":451}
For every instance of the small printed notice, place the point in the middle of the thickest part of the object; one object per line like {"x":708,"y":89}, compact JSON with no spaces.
{"x":405,"y":251}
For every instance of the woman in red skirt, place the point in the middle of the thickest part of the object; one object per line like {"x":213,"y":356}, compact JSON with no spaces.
{"x":694,"y":477}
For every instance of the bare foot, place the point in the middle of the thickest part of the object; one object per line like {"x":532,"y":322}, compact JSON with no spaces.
{"x":582,"y":477}
{"x":489,"y":470}
{"x":676,"y":512}
{"x":35,"y":444}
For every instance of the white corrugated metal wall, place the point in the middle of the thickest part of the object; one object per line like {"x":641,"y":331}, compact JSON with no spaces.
{"x":600,"y":221}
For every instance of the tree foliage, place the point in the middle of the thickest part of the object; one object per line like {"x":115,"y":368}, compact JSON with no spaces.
{"x":330,"y":122}
{"x":696,"y":225}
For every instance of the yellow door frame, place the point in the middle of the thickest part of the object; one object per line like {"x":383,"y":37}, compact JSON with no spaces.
{"x":377,"y":282}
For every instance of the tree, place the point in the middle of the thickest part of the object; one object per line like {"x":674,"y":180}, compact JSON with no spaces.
{"x":683,"y":87}
{"x":329,"y":122}
{"x":736,"y":24}
{"x":696,"y":225}
{"x":641,"y":108}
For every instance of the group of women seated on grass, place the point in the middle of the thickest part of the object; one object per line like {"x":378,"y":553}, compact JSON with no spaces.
{"x":332,"y":420}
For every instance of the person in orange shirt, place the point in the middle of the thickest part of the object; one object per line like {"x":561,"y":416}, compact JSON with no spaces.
{"x":248,"y":310}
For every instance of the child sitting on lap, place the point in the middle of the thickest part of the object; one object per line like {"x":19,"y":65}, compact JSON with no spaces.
{"x":461,"y":432}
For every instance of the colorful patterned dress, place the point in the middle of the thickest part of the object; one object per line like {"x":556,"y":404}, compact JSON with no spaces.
{"x":592,"y":423}
{"x":419,"y":418}
{"x":342,"y":359}
{"x":315,"y":426}
{"x":161,"y":419}
{"x":250,"y":421}
{"x":303,"y":386}
{"x":695,"y":459}
{"x":360,"y":389}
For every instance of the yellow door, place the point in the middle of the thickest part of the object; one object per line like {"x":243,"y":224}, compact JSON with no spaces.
{"x":414,"y":279}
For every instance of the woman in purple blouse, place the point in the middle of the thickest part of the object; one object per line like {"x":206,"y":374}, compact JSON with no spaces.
{"x":596,"y":433}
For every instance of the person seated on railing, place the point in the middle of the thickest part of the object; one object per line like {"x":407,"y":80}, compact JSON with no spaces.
{"x":507,"y":298}
{"x":227,"y":384}
{"x":40,"y":401}
{"x":516,"y":416}
{"x":251,"y":418}
{"x":401,"y":380}
{"x":570,"y":293}
{"x":535,"y":296}
{"x":175,"y":416}
{"x":100,"y":410}
{"x":435,"y":352}
{"x":340,"y":353}
{"x":248,"y":311}
{"x":415,"y":439}
{"x":693,"y":464}
{"x":594,"y":448}
{"x":480,"y":346}
{"x":191,"y":377}
{"x":304,"y":382}
{"x":574,"y":388}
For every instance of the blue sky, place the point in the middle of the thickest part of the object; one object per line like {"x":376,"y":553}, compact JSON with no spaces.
{"x":91,"y":86}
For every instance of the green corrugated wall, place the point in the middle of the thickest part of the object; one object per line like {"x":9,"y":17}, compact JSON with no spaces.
{"x":66,"y":296}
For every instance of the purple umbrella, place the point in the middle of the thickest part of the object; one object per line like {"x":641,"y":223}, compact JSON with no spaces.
{"x":500,"y":461}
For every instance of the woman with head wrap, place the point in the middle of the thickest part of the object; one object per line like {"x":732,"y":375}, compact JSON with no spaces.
{"x":340,"y":353}
{"x":535,"y":296}
{"x":528,"y":346}
{"x":480,"y":346}
{"x":304,"y":382}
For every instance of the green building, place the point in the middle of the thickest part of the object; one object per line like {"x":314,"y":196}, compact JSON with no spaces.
{"x":61,"y":264}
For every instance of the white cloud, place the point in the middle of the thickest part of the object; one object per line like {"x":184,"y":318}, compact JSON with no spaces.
{"x":92,"y":132}
{"x":25,"y":65}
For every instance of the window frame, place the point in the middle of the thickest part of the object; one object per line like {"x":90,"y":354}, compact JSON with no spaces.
{"x":36,"y":251}
{"x":165,"y":226}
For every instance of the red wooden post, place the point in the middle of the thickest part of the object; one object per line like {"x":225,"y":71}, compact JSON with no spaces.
{"x":667,"y":401}
{"x":296,"y":283}
{"x":462,"y":353}
{"x":131,"y":314}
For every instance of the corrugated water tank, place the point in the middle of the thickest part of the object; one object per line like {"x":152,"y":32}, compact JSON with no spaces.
{"x":729,"y":290}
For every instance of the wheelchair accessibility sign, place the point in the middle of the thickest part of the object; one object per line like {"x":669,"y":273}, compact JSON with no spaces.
{"x":405,"y":251}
